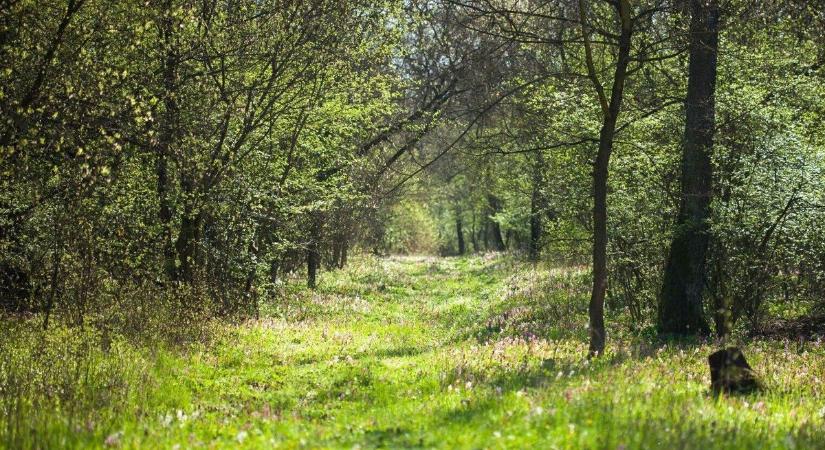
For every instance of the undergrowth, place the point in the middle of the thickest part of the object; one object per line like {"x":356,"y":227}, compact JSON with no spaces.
{"x":477,"y":352}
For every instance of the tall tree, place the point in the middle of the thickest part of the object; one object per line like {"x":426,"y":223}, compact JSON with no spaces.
{"x":611,"y":108}
{"x":459,"y":229}
{"x":681,"y":300}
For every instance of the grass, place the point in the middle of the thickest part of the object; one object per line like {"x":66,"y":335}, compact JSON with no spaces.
{"x":477,"y":352}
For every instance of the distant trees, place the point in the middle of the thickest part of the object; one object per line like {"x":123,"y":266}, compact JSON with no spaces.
{"x":538,"y":206}
{"x":665,"y":274}
{"x":615,"y":24}
{"x":196,"y":152}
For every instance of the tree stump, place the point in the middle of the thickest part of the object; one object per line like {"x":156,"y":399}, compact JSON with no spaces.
{"x":730,"y":372}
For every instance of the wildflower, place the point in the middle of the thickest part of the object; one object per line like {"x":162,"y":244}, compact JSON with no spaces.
{"x":113,"y":440}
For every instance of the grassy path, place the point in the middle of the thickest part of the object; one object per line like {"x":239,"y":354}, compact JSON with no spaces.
{"x":455,"y":353}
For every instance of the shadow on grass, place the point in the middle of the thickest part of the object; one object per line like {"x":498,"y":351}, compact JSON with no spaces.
{"x":392,"y":437}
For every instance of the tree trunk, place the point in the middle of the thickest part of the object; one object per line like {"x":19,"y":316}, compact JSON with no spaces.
{"x":485,"y":234}
{"x":250,"y":293}
{"x":336,"y":252}
{"x":313,"y":253}
{"x":165,"y":210}
{"x":459,"y":229}
{"x":342,"y":262}
{"x":165,"y":141}
{"x":186,"y":245}
{"x":535,"y":234}
{"x":597,"y":295}
{"x":312,"y":265}
{"x":473,"y":235}
{"x":495,"y":229}
{"x":610,"y":110}
{"x":681,"y":300}
{"x":723,"y":315}
{"x":52,"y":289}
{"x":534,"y":246}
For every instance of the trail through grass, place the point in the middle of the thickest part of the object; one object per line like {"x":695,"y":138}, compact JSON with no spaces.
{"x":420,"y":353}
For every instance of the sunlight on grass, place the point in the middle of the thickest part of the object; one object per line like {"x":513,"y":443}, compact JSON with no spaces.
{"x":400,"y":353}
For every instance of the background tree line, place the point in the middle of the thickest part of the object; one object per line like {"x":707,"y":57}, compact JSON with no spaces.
{"x":186,"y":155}
{"x":672,"y":145}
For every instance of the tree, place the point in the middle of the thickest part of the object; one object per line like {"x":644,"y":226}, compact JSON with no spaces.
{"x":681,"y":303}
{"x":611,"y":108}
{"x":537,"y":206}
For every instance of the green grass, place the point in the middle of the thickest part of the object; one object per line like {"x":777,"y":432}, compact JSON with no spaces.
{"x":405,"y":353}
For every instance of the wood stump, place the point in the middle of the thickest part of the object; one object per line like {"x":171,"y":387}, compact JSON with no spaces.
{"x":730,"y":372}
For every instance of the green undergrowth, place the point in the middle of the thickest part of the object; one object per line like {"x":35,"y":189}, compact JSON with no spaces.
{"x":412,"y":352}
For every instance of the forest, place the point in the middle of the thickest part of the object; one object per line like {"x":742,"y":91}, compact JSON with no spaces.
{"x":561,"y":224}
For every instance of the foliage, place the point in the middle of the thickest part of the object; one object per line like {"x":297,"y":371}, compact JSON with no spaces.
{"x":173,"y":172}
{"x":411,"y":230}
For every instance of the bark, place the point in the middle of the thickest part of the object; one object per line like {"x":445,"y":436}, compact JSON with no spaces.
{"x":189,"y":234}
{"x":342,"y":262}
{"x":610,"y":112}
{"x":459,"y":229}
{"x":534,"y":246}
{"x":494,"y":228}
{"x":535,"y":229}
{"x":166,"y":138}
{"x":312,"y":266}
{"x":249,"y":286}
{"x":186,"y":245}
{"x":313,"y":253}
{"x":597,"y":295}
{"x":340,"y":242}
{"x":336,"y":252}
{"x":52,"y":291}
{"x":473,"y":234}
{"x":681,"y":301}
{"x":165,"y":210}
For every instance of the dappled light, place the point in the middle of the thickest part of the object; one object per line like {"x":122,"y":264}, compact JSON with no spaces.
{"x":472,"y":224}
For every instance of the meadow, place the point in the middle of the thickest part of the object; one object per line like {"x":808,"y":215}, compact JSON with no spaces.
{"x":404,"y":352}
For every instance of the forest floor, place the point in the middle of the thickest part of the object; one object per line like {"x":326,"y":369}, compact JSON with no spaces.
{"x":408,"y":352}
